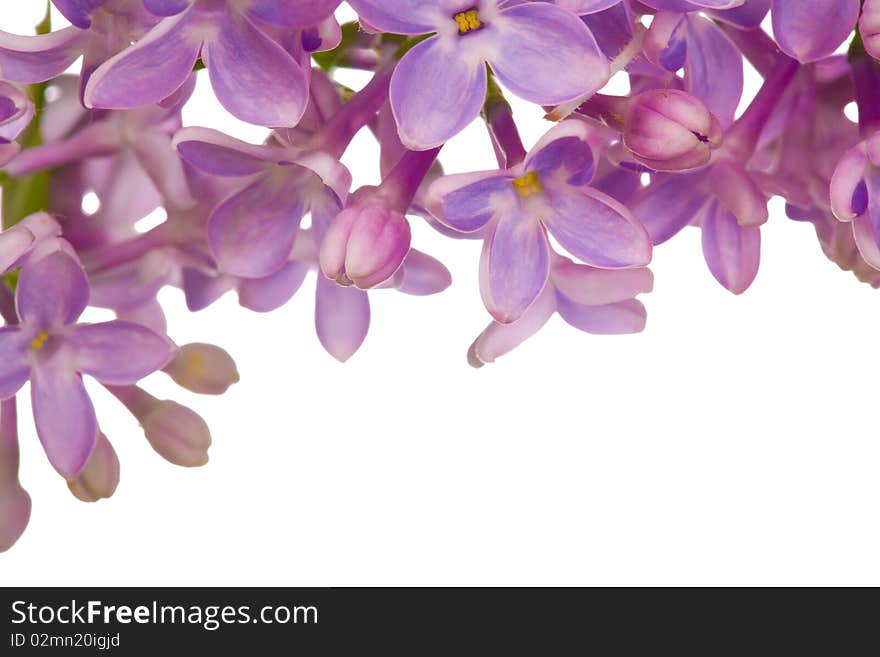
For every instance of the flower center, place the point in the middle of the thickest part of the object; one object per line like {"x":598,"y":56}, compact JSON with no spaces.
{"x":40,"y":340}
{"x":468,"y":21}
{"x":528,"y":185}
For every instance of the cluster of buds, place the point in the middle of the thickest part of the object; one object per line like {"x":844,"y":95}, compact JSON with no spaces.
{"x":568,"y":225}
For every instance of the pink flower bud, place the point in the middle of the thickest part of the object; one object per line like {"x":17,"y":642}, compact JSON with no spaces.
{"x":100,"y":476}
{"x":365,"y":244}
{"x":670,"y":130}
{"x":177,"y":433}
{"x":203,"y":368}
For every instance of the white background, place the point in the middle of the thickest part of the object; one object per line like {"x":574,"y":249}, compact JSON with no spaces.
{"x":735,"y":442}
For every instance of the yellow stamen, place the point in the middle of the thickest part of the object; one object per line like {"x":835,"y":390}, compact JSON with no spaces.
{"x":40,"y":340}
{"x":468,"y":21}
{"x":528,"y":185}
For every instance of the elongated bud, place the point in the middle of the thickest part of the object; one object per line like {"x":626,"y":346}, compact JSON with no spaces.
{"x":15,"y":503}
{"x":205,"y":369}
{"x":365,"y":244}
{"x":100,"y":477}
{"x":671,"y":130}
{"x":177,"y":433}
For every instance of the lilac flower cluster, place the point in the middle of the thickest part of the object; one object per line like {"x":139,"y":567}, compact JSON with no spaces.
{"x":567,"y":227}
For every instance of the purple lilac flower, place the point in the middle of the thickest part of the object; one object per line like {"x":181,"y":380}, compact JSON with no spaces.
{"x":712,"y":65}
{"x":745,"y":13}
{"x":811,"y":29}
{"x":99,"y":31}
{"x":540,"y":52}
{"x":624,"y":175}
{"x":15,"y":503}
{"x":145,"y":133}
{"x":252,"y":232}
{"x":253,"y":76}
{"x":53,"y":352}
{"x":342,"y":314}
{"x":598,"y":301}
{"x":549,"y":192}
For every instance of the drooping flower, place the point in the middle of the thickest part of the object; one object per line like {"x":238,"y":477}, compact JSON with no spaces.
{"x":598,"y":301}
{"x":539,"y":51}
{"x":53,"y":352}
{"x":252,"y":232}
{"x":712,"y":64}
{"x":100,"y":30}
{"x":516,"y":207}
{"x":16,"y":112}
{"x":342,"y":314}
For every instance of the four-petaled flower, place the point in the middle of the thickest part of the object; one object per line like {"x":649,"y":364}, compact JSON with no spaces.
{"x":539,"y":51}
{"x":516,"y":207}
{"x":53,"y":352}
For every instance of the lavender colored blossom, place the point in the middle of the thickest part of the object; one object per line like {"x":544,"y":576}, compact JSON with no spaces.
{"x":253,"y":76}
{"x":53,"y":352}
{"x":538,"y":51}
{"x":86,"y":156}
{"x":597,"y":301}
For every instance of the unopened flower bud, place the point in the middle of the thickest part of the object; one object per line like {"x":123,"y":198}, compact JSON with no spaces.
{"x":177,"y":433}
{"x":100,"y":476}
{"x":671,"y":130}
{"x":15,"y":512}
{"x":203,"y":368}
{"x":15,"y":503}
{"x":365,"y":244}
